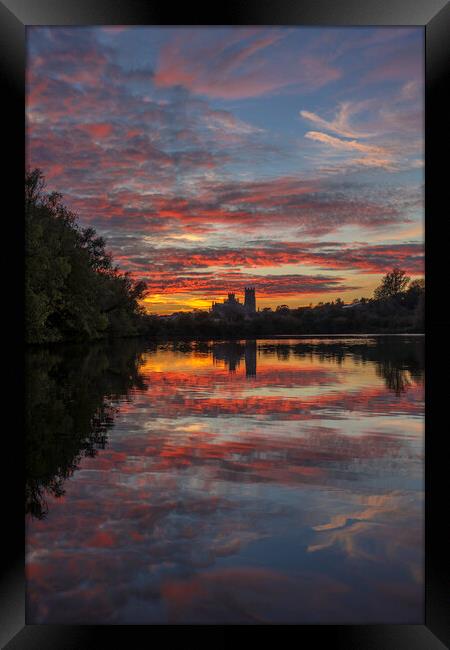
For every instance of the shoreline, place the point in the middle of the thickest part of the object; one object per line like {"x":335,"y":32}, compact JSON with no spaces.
{"x":144,"y":337}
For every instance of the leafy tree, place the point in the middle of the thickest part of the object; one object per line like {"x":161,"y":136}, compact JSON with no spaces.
{"x":392,"y":284}
{"x":72,"y":288}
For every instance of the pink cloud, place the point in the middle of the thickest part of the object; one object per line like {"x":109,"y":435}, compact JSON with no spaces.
{"x":227,"y":67}
{"x":99,"y":130}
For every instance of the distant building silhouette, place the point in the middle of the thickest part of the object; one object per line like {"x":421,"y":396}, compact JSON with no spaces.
{"x":232,"y":305}
{"x":250,"y":300}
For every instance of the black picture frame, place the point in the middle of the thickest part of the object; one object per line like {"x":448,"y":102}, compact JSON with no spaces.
{"x":434,"y":16}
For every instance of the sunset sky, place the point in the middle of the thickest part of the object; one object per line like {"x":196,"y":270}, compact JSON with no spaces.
{"x":210,"y":159}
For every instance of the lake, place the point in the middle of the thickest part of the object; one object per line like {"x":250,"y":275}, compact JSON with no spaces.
{"x":268,"y":481}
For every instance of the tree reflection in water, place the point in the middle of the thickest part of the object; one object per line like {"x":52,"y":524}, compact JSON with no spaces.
{"x":73,"y":392}
{"x":398,"y":360}
{"x":71,"y":402}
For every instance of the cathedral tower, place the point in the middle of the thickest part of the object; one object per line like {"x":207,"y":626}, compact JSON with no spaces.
{"x":250,"y":300}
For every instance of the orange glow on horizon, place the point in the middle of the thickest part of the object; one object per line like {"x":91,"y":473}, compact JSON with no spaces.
{"x":175,"y":301}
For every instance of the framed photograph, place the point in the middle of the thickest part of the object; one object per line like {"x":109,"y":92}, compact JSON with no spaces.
{"x":233,"y":412}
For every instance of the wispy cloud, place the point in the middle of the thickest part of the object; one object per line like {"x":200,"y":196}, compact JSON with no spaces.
{"x":341,"y":122}
{"x":238,"y":63}
{"x":391,"y":136}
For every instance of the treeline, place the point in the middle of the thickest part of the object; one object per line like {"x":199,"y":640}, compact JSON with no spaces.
{"x":397,"y":307}
{"x":73,"y":291}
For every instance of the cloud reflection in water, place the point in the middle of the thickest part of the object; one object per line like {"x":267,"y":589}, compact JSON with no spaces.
{"x":268,"y":481}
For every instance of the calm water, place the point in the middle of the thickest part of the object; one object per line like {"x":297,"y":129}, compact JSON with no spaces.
{"x":260,"y":481}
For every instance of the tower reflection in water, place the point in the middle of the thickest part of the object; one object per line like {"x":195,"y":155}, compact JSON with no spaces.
{"x":232,"y":353}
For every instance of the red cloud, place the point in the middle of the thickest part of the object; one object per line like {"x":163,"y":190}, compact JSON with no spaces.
{"x":101,"y":540}
{"x":99,"y":130}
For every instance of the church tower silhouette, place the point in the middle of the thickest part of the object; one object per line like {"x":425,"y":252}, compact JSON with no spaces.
{"x":250,"y":300}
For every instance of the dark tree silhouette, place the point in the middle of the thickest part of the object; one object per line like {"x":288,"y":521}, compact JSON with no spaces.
{"x":72,"y":288}
{"x":392,"y":284}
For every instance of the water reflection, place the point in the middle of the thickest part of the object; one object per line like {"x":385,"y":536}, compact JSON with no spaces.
{"x":71,"y":403}
{"x":252,"y":481}
{"x":232,"y":352}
